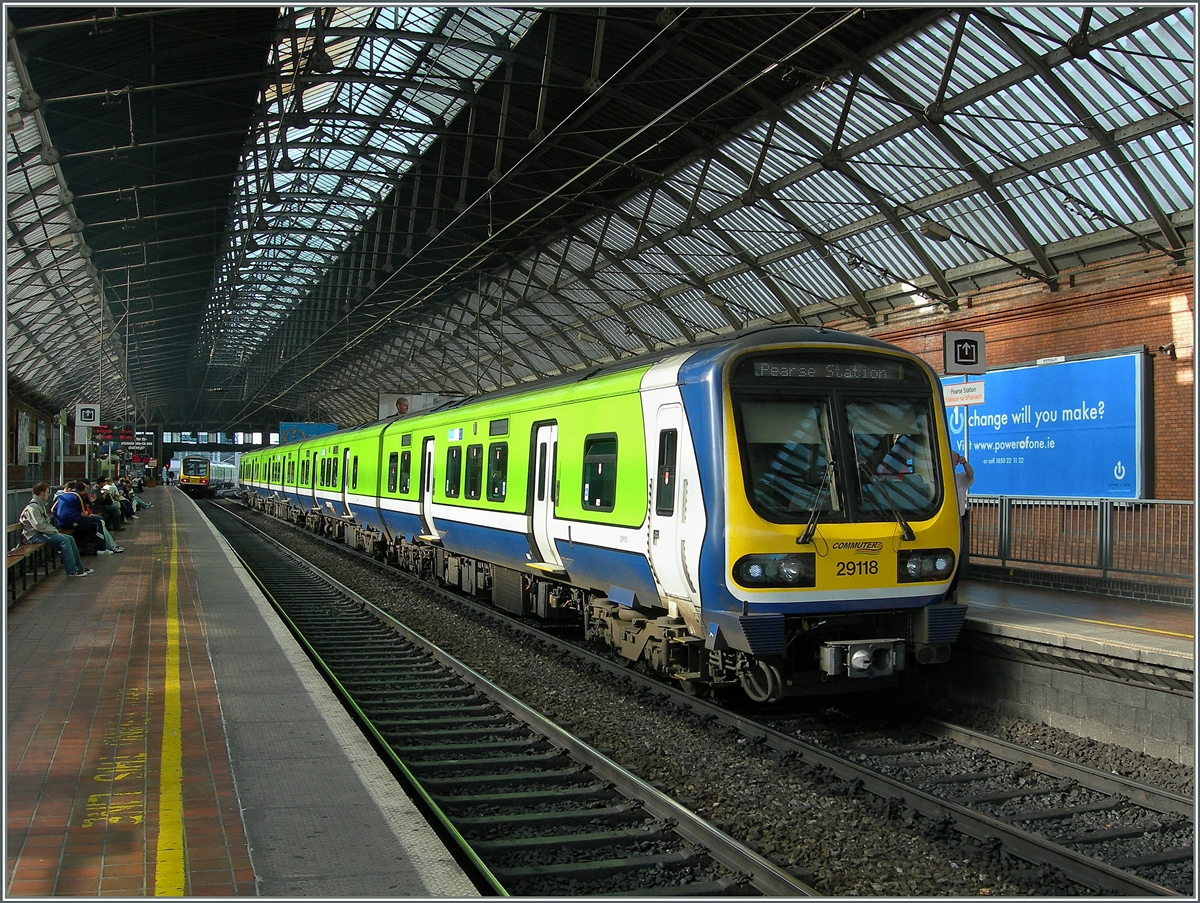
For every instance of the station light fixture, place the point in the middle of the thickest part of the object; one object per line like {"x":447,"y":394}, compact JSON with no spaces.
{"x":935,"y":230}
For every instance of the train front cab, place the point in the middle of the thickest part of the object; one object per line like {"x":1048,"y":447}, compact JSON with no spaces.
{"x":842,"y":529}
{"x":194,"y":475}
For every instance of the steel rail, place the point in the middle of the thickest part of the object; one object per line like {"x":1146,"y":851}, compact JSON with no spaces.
{"x":409,"y":779}
{"x":765,"y":876}
{"x":1155,"y":798}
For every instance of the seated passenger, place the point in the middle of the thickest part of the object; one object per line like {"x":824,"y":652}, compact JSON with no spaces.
{"x":36,"y":526}
{"x":102,"y":504}
{"x":130,"y":493}
{"x":110,"y":545}
{"x":67,"y":510}
{"x":114,"y":494}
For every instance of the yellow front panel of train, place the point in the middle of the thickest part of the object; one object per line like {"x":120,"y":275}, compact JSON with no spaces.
{"x":857,"y":559}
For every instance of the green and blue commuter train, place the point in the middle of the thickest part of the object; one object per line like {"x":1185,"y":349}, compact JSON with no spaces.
{"x":774,"y":510}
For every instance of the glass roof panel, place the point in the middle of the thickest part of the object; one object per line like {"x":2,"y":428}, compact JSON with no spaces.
{"x":348,"y":138}
{"x":1166,"y":161}
{"x":909,"y":166}
{"x":825,"y":201}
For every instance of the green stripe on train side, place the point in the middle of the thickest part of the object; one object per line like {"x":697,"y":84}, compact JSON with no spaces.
{"x":604,"y":404}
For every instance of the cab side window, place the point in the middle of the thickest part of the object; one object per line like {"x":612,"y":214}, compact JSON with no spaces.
{"x":664,"y":495}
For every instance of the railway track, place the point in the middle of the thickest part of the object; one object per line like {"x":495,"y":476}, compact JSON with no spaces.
{"x":1110,"y":833}
{"x":530,"y":808}
{"x":1105,"y":833}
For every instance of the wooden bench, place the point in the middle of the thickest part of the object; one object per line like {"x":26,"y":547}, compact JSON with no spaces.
{"x":25,"y":559}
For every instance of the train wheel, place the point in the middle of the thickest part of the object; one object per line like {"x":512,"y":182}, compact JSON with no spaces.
{"x":762,"y":682}
{"x":692,"y":687}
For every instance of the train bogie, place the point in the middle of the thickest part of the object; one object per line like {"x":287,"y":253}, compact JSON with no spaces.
{"x":775,"y":511}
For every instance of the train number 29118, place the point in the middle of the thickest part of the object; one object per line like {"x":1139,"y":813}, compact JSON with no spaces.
{"x":855,"y":568}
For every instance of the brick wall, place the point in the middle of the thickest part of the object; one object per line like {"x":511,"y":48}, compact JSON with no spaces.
{"x":1136,"y":302}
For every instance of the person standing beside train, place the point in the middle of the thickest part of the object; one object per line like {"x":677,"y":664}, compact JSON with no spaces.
{"x":963,"y":480}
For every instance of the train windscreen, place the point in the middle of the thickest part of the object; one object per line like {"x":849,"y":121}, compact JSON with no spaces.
{"x":787,"y":452}
{"x":893,"y":457}
{"x":835,"y":436}
{"x":195,"y":467}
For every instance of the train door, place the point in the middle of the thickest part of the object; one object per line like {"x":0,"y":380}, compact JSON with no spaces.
{"x":309,"y":477}
{"x":345,"y":485}
{"x":667,"y":500}
{"x":544,"y":480}
{"x":427,"y":484}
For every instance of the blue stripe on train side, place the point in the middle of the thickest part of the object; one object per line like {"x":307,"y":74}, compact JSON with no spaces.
{"x":366,"y":515}
{"x":609,"y":569}
{"x":401,"y":524}
{"x":504,"y":547}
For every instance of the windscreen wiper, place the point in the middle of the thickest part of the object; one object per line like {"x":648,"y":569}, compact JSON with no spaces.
{"x":811,"y":527}
{"x":905,"y":529}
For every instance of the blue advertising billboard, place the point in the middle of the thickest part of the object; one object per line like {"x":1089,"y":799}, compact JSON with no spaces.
{"x":1072,"y":429}
{"x":294,"y":432}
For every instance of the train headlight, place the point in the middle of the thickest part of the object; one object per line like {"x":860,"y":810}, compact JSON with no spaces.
{"x":777,"y":571}
{"x":918,"y":565}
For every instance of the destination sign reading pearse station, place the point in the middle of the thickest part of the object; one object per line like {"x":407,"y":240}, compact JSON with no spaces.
{"x":797,"y":367}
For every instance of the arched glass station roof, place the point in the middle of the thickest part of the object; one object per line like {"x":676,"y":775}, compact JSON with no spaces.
{"x":264,"y":214}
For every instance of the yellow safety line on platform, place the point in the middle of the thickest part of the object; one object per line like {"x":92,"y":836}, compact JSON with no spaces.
{"x":1184,"y":636}
{"x":1029,"y":611}
{"x":169,"y":872}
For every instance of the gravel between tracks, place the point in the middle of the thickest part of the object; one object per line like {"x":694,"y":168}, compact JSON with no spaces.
{"x":832,"y":835}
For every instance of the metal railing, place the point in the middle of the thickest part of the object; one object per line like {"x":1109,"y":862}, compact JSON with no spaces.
{"x":1135,"y":538}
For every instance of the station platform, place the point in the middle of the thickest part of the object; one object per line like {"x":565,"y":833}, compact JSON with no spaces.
{"x":1121,"y":671}
{"x":1148,"y":636}
{"x":167,"y":736}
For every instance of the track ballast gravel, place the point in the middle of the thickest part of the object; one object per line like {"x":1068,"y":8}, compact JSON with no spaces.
{"x":829,"y":833}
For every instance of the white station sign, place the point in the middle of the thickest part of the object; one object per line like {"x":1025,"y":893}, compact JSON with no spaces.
{"x":958,"y":394}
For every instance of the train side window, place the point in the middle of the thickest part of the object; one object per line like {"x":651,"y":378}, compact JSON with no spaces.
{"x":393,"y":467}
{"x":354,"y":473}
{"x":474,"y":472}
{"x":453,"y":471}
{"x":497,"y":471}
{"x":600,"y":472}
{"x":664,"y":496}
{"x":333,"y":480}
{"x":405,"y":472}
